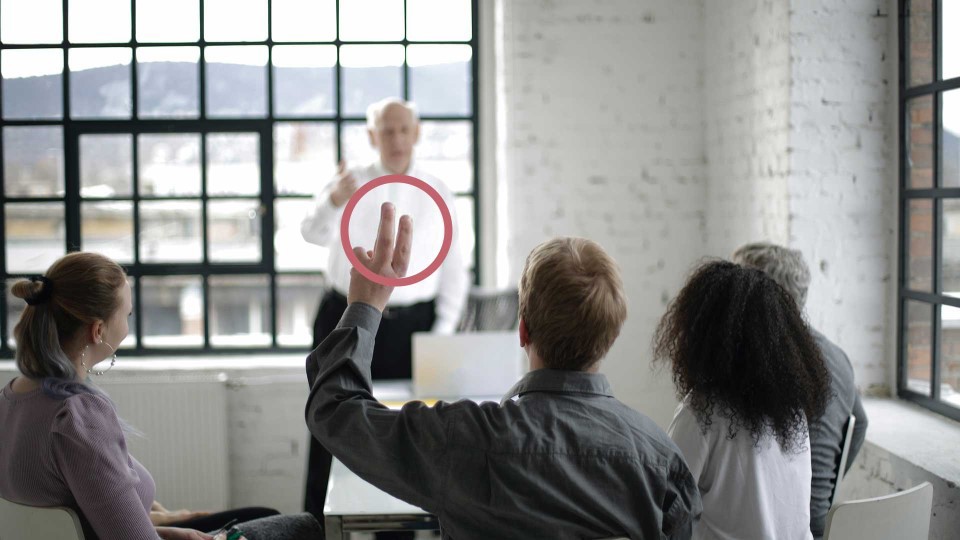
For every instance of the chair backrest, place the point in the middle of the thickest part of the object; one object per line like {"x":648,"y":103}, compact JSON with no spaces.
{"x":22,"y":522}
{"x":891,"y":517}
{"x":844,"y":453}
{"x":489,"y":310}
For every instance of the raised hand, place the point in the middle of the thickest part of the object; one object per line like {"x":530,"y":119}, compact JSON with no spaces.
{"x":345,"y":185}
{"x":389,"y":258}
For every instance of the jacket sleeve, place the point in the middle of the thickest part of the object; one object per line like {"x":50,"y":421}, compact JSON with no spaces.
{"x":859,"y":431}
{"x":321,"y":223}
{"x":454,"y":278}
{"x":401,"y":452}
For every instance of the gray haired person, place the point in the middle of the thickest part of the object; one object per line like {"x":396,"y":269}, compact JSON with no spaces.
{"x":787,"y":267}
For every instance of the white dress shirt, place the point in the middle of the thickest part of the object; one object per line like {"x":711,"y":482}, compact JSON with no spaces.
{"x":748,"y":491}
{"x":448,"y":285}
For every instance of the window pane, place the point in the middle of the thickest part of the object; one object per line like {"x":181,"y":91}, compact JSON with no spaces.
{"x":950,"y":273}
{"x":920,"y":142}
{"x":240,"y":311}
{"x":236,"y":81}
{"x":950,"y":39}
{"x":919,"y":323}
{"x":170,"y":231}
{"x":304,"y":20}
{"x":106,"y":165}
{"x":950,"y":139}
{"x":33,"y":161}
{"x":99,"y":21}
{"x":235,"y":20}
{"x":107,"y":228}
{"x":292,"y":251}
{"x":920,"y":32}
{"x":35,"y":236}
{"x":303,"y":80}
{"x":168,"y":21}
{"x":950,"y":355}
{"x":304,"y":156}
{"x":356,"y":144}
{"x":131,"y":340}
{"x":440,"y":78}
{"x":36,"y":21}
{"x":233,"y":164}
{"x":168,"y":82}
{"x":234,"y":230}
{"x":468,"y":239}
{"x":172,"y":311}
{"x":371,"y":20}
{"x":169,"y":164}
{"x":370,"y":73}
{"x":100,"y":82}
{"x":297,"y":301}
{"x":439,"y":20}
{"x":920,"y":245}
{"x":32,"y":84}
{"x":15,"y":307}
{"x":445,"y":150}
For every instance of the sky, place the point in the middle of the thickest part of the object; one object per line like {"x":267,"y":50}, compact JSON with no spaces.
{"x":108,"y":21}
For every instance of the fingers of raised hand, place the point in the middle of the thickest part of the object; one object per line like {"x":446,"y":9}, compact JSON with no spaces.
{"x":383,"y":251}
{"x":401,"y":253}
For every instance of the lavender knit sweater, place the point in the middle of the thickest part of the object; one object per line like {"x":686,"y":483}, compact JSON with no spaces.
{"x":72,"y":452}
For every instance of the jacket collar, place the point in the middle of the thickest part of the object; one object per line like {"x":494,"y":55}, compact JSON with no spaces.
{"x":560,"y":381}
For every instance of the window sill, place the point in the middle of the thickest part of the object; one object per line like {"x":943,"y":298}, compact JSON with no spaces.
{"x":203,"y":363}
{"x":920,"y":437}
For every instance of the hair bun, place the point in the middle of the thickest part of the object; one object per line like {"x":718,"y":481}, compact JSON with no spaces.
{"x":35,"y":290}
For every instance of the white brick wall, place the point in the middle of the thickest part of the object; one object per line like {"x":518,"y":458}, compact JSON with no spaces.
{"x":604,"y":139}
{"x":843,"y":178}
{"x":799,"y":101}
{"x":746,"y":115}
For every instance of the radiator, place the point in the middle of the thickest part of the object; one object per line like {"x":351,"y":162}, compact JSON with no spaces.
{"x":183,"y":418}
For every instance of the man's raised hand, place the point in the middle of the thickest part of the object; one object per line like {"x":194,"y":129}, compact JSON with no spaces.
{"x":345,"y":185}
{"x":389,"y":258}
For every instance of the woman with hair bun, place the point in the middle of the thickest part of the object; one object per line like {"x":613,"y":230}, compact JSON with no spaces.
{"x":750,"y":376}
{"x":62,"y":443}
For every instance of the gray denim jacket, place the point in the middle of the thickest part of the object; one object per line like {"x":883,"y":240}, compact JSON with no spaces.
{"x":563,"y":460}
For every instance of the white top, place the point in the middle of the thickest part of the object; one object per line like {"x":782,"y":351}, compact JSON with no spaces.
{"x":748,"y":492}
{"x":448,"y":285}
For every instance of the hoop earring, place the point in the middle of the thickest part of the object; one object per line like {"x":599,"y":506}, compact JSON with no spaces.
{"x":94,"y":371}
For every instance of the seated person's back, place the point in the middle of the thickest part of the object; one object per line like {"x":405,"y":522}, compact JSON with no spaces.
{"x":750,"y":375}
{"x":563,"y":460}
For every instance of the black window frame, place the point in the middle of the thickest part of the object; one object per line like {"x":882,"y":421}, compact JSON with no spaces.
{"x":936,"y":195}
{"x":264,"y":126}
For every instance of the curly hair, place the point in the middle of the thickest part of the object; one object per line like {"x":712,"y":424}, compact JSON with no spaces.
{"x":739,"y":347}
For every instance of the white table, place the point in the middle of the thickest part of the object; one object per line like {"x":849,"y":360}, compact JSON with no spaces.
{"x":354,"y":505}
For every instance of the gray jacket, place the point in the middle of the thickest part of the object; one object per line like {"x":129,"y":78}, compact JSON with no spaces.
{"x":564,"y":460}
{"x":826,"y":434}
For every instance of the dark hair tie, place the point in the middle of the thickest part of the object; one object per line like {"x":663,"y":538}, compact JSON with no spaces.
{"x":44,"y":293}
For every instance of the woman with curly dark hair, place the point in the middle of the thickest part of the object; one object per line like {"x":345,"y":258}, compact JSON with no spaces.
{"x":749,"y":375}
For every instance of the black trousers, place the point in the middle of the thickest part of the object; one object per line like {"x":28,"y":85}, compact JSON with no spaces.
{"x":392,"y":359}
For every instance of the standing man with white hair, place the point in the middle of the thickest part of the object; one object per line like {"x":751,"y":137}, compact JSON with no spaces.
{"x":787,"y":267}
{"x":434,"y":304}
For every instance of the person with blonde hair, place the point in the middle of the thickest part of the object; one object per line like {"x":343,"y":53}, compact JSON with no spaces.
{"x":559,"y":457}
{"x":62,"y":442}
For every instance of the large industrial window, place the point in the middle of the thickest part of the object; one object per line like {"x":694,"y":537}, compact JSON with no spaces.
{"x":185,"y":139}
{"x":929,"y":311}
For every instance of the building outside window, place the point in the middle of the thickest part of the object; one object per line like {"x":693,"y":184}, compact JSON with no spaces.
{"x":929,"y":289}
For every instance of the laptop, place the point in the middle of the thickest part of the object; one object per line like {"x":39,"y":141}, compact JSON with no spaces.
{"x":468,"y":365}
